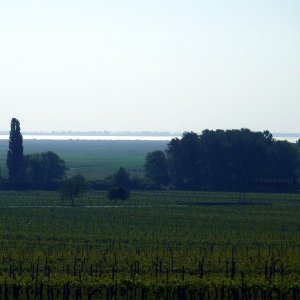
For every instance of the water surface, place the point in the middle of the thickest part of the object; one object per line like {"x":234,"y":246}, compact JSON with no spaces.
{"x":93,"y":137}
{"x":292,"y":139}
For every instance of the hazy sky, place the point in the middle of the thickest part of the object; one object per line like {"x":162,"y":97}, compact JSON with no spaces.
{"x":150,"y":65}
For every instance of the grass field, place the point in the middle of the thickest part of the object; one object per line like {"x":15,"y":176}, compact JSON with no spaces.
{"x":93,"y":159}
{"x":157,"y":245}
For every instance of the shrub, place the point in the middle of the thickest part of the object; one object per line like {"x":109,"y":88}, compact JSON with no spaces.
{"x":119,"y":192}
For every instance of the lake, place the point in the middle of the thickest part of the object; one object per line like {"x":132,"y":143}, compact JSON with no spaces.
{"x":292,"y":139}
{"x":93,"y":137}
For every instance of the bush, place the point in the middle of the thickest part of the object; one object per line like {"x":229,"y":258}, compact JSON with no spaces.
{"x":119,"y":192}
{"x":72,"y":188}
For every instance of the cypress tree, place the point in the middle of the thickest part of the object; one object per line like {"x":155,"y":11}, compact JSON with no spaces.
{"x":15,"y":153}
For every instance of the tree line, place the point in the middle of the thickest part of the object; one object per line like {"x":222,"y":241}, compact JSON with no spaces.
{"x":228,"y":160}
{"x":44,"y":170}
{"x":47,"y":171}
{"x":221,"y":160}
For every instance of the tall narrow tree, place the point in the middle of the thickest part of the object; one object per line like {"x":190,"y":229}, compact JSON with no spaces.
{"x":15,"y":153}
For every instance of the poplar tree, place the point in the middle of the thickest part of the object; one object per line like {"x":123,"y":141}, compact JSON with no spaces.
{"x":15,"y":153}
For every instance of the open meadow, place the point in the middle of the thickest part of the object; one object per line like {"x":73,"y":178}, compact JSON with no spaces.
{"x":156,"y":245}
{"x":93,"y":159}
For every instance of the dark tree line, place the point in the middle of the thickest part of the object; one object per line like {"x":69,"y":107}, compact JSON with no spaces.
{"x":32,"y":171}
{"x":231,"y":160}
{"x":237,"y":160}
{"x":47,"y":171}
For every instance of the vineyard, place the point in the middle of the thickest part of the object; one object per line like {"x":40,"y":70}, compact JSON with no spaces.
{"x":157,"y":245}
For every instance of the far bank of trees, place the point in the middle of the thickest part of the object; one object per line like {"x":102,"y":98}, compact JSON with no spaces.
{"x":231,"y":160}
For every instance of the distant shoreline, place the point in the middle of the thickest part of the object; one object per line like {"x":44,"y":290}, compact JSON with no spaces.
{"x":97,"y":133}
{"x":91,"y":137}
{"x":120,"y":136}
{"x":126,"y":133}
{"x":73,"y":137}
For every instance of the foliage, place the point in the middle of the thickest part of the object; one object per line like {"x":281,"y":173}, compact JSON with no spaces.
{"x":15,"y":154}
{"x":283,"y":160}
{"x":149,"y":247}
{"x":214,"y":160}
{"x":121,"y":178}
{"x":156,"y":167}
{"x":136,"y":183}
{"x":44,"y":170}
{"x":73,"y":187}
{"x":184,"y":157}
{"x":229,"y":160}
{"x":118,"y":193}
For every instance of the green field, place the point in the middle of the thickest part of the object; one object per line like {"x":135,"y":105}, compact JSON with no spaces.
{"x":157,"y":245}
{"x":93,"y":159}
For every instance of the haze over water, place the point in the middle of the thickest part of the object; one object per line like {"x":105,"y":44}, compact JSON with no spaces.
{"x":292,"y":139}
{"x":93,"y":137}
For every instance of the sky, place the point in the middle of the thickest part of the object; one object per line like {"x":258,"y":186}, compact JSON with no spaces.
{"x":150,"y":65}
